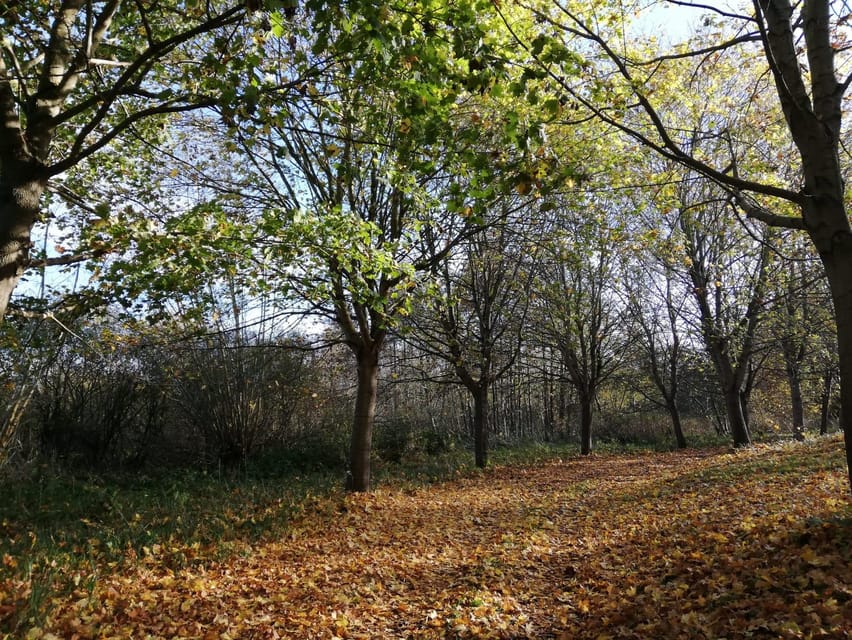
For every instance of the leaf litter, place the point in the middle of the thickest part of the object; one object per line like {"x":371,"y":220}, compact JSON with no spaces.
{"x":688,"y":544}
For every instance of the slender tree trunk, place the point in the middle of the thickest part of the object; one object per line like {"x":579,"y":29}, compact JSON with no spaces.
{"x":736,"y":417}
{"x":797,"y":406}
{"x":480,"y":424}
{"x":825,"y":400}
{"x":586,"y":423}
{"x":19,"y":208}
{"x":677,"y":426}
{"x":365,"y":413}
{"x":562,"y":408}
{"x":838,"y":266}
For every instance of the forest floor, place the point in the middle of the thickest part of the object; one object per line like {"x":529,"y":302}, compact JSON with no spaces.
{"x":689,"y":544}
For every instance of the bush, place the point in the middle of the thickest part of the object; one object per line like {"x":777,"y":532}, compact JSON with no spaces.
{"x":236,"y":398}
{"x":394,"y":438}
{"x":96,"y":411}
{"x":634,"y":429}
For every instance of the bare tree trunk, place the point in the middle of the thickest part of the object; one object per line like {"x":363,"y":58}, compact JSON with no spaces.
{"x":586,"y":401}
{"x":796,"y":404}
{"x":825,"y":400}
{"x":562,"y":408}
{"x":480,"y":424}
{"x":736,"y":417}
{"x":365,"y":414}
{"x":838,"y":267}
{"x":677,"y":426}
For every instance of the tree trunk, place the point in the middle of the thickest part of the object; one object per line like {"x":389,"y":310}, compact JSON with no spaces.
{"x":736,"y":417}
{"x":825,"y":400}
{"x":480,"y":424}
{"x":365,"y":413}
{"x":19,"y":208}
{"x":674,"y":412}
{"x":796,"y":404}
{"x":562,"y":409}
{"x":731,"y":385}
{"x":838,"y":267}
{"x":585,"y":424}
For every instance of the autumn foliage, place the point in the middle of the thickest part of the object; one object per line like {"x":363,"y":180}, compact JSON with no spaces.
{"x":688,"y":544}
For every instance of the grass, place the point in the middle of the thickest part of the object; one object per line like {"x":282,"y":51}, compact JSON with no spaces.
{"x":58,"y":531}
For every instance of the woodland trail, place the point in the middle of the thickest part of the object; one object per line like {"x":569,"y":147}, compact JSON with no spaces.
{"x":691,"y":544}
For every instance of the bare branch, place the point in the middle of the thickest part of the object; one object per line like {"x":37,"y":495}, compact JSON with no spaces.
{"x":709,"y":7}
{"x":757,"y":212}
{"x":80,"y":153}
{"x":63,"y":261}
{"x":666,"y":146}
{"x":695,"y":53}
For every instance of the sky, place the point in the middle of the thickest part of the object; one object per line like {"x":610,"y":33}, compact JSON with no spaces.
{"x":674,"y":22}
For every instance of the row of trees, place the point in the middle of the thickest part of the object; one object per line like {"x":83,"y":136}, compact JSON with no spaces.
{"x":227,"y":400}
{"x":523,"y":332}
{"x":484,"y":180}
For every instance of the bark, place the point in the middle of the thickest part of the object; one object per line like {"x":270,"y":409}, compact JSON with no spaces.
{"x":365,"y":414}
{"x":586,"y":401}
{"x":736,"y":417}
{"x":838,"y":266}
{"x":731,"y":384}
{"x":815,"y":124}
{"x":796,"y":404}
{"x":480,"y":425}
{"x":677,"y":426}
{"x":825,"y":400}
{"x":19,"y":207}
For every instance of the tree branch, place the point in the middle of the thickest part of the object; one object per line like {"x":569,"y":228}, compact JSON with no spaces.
{"x":757,"y":212}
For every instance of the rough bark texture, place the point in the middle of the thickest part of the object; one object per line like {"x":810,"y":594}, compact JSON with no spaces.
{"x":362,"y":424}
{"x":839,"y":269}
{"x":480,"y":425}
{"x":586,"y":401}
{"x":19,"y":205}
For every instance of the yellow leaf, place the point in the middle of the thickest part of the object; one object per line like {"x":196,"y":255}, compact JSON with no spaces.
{"x":523,"y":188}
{"x":811,"y":557}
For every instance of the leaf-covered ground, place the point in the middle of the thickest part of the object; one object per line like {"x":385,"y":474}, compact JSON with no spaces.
{"x":695,"y":544}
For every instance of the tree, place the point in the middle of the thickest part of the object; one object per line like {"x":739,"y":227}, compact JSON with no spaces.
{"x":475,"y":320}
{"x":337,"y":183}
{"x":728,"y":286}
{"x":800,"y":47}
{"x":75,"y":77}
{"x":578,"y":313}
{"x":658,"y":325}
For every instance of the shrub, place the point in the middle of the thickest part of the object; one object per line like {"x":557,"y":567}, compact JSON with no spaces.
{"x":236,"y":398}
